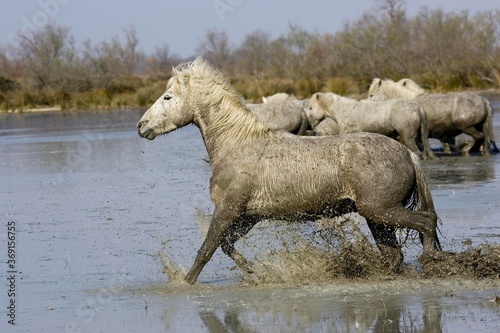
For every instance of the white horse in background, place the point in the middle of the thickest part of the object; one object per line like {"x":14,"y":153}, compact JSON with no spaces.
{"x":288,"y":115}
{"x":277,"y":98}
{"x":448,"y":115}
{"x":400,"y":119}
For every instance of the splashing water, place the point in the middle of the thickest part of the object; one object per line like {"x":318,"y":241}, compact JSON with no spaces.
{"x":284,"y":252}
{"x":174,"y":271}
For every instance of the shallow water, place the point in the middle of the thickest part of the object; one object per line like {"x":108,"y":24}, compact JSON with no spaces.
{"x":93,"y":205}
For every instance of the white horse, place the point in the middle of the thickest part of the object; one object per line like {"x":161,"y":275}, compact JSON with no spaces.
{"x":448,"y":115}
{"x":400,"y":119}
{"x":263,"y":173}
{"x":277,"y":98}
{"x":288,"y":115}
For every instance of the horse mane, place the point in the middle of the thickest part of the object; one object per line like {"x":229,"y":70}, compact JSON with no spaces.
{"x":412,"y":86}
{"x":231,"y":120}
{"x":391,"y":89}
{"x":340,"y":98}
{"x":329,"y":99}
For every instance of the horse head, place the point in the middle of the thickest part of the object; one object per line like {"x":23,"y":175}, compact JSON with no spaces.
{"x":168,"y":113}
{"x":377,"y":96}
{"x":317,"y":108}
{"x":411,"y":86}
{"x":375,"y":87}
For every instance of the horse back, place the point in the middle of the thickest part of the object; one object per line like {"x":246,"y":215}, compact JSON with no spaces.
{"x":451,"y":111}
{"x":291,"y":174}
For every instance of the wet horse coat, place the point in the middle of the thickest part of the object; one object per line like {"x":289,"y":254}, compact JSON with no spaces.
{"x":259,"y":172}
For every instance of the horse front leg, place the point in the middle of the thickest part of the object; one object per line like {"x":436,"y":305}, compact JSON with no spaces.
{"x":237,"y":230}
{"x":387,"y":243}
{"x":221,"y":221}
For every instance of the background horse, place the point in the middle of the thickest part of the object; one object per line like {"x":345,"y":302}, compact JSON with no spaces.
{"x":278,"y":97}
{"x":448,"y":115}
{"x":287,"y":115}
{"x":397,"y":118}
{"x":263,"y":173}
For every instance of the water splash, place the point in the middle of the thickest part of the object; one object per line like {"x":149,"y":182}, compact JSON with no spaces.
{"x":174,"y":271}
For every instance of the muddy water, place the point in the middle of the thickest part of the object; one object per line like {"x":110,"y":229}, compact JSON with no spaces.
{"x":97,"y":211}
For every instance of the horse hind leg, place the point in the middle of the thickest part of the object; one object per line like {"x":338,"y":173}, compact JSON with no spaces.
{"x":476,"y":135}
{"x":410,"y":141}
{"x":424,"y":222}
{"x":387,"y":243}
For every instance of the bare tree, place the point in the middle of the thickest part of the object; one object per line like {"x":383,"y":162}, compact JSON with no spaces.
{"x":288,"y":52}
{"x":484,"y":60}
{"x":319,"y":57}
{"x":162,"y":61}
{"x":4,"y":62}
{"x":392,"y":8}
{"x":448,"y":46}
{"x":109,"y":60}
{"x":46,"y":55}
{"x":130,"y":55}
{"x":253,"y":55}
{"x":102,"y":62}
{"x":215,"y":48}
{"x":358,"y":49}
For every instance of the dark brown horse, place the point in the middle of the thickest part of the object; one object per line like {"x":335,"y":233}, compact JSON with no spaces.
{"x":259,"y":172}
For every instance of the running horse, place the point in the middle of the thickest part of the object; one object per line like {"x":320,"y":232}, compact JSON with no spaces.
{"x":258,"y":172}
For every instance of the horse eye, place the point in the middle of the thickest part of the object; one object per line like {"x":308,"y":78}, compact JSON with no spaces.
{"x":167,"y":98}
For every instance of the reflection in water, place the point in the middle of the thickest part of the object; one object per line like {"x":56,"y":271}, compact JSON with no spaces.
{"x":458,"y":169}
{"x":344,"y":306}
{"x":317,"y":313}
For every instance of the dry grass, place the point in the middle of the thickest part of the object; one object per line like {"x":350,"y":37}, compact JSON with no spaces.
{"x":141,"y":91}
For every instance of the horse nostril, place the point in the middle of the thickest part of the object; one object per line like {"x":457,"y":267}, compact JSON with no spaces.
{"x":139,"y":125}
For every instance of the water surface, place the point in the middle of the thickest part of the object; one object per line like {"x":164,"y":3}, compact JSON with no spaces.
{"x":93,"y":204}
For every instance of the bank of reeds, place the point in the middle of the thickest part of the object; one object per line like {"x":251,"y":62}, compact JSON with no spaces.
{"x":142,"y":92}
{"x":130,"y":92}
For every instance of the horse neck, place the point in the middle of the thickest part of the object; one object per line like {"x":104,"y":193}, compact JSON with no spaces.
{"x":341,"y":105}
{"x":226,"y":125}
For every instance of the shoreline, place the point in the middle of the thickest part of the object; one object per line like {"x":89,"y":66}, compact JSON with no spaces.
{"x":60,"y":109}
{"x":493,"y":95}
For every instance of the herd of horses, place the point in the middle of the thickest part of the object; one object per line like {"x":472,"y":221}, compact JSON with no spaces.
{"x":265,"y":167}
{"x":401,"y":110}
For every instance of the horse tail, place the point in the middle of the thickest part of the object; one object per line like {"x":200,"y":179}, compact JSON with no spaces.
{"x":421,"y":198}
{"x":424,"y":135}
{"x":489,"y":136}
